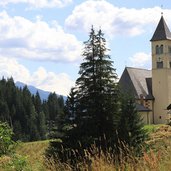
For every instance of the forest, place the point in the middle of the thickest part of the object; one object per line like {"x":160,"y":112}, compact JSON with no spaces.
{"x":30,"y":118}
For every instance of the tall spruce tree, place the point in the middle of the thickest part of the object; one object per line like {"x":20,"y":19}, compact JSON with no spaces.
{"x":53,"y":106}
{"x":70,"y":105}
{"x":41,"y":124}
{"x":99,"y":112}
{"x":130,"y":127}
{"x":97,"y":95}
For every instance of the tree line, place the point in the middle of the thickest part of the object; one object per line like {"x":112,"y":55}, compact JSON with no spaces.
{"x":30,"y":118}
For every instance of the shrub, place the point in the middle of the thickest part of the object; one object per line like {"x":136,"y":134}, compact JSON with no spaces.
{"x":15,"y":162}
{"x":6,"y":142}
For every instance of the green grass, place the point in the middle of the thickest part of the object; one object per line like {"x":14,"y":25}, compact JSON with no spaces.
{"x":34,"y":152}
{"x":152,"y":128}
{"x":158,"y":158}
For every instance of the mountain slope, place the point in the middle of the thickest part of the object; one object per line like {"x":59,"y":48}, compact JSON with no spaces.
{"x":43,"y":94}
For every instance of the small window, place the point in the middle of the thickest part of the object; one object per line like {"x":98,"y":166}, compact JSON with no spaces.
{"x":169,"y":49}
{"x":160,"y":64}
{"x":161,"y":49}
{"x":157,"y":49}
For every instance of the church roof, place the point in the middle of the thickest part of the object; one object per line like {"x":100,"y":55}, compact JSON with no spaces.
{"x":137,"y":82}
{"x":141,"y":108}
{"x":169,"y":107}
{"x":162,"y":31}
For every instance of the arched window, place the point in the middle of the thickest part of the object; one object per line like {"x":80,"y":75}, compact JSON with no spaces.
{"x":157,"y":49}
{"x":161,"y":49}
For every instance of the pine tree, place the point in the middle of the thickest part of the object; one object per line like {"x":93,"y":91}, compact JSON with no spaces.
{"x":37,"y":102}
{"x":97,"y":96}
{"x":4,"y":112}
{"x":32,"y":125}
{"x":41,"y":124}
{"x":53,"y":106}
{"x":55,"y":111}
{"x":70,"y":105}
{"x":30,"y":117}
{"x":130,"y":127}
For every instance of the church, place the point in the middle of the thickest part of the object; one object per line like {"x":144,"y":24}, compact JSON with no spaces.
{"x":152,"y":88}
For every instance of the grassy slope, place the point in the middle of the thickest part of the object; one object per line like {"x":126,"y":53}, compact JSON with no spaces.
{"x":34,"y":152}
{"x":159,"y":158}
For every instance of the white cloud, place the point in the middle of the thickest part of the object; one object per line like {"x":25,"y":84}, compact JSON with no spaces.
{"x":38,"y":3}
{"x":60,"y":83}
{"x":22,"y":38}
{"x":10,"y":67}
{"x":112,"y":19}
{"x":141,"y":59}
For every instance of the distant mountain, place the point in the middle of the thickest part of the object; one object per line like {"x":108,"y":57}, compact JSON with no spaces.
{"x":43,"y":94}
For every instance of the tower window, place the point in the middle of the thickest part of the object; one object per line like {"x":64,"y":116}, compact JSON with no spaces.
{"x":170,"y":64}
{"x":160,"y":64}
{"x":157,"y":49}
{"x":161,"y":49}
{"x":169,"y":49}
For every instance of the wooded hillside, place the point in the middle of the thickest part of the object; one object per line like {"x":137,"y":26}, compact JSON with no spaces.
{"x":30,"y":118}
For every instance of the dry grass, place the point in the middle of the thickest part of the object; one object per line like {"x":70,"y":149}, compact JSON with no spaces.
{"x":158,"y":158}
{"x":34,"y":151}
{"x":4,"y":160}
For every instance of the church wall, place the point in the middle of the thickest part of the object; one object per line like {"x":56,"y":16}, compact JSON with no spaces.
{"x":146,"y":117}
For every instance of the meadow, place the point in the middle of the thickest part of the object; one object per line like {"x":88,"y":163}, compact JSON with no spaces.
{"x":30,"y":156}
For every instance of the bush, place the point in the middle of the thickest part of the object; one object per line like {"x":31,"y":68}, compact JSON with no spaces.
{"x":15,"y":162}
{"x":6,"y":142}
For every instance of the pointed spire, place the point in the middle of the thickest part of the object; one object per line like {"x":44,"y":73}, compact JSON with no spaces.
{"x":162,"y":31}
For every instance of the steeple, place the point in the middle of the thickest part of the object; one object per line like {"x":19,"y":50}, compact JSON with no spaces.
{"x":162,"y":31}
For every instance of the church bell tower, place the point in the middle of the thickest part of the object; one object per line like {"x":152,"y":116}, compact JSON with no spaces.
{"x":161,"y":71}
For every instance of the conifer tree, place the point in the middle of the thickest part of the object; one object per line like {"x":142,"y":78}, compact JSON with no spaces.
{"x":130,"y":127}
{"x":41,"y":124}
{"x":53,"y":106}
{"x":4,"y":111}
{"x":32,"y":125}
{"x":70,"y":105}
{"x":37,"y":102}
{"x":42,"y":128}
{"x":96,"y":96}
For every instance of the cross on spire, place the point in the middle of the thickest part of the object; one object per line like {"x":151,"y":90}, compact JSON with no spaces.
{"x":162,"y":10}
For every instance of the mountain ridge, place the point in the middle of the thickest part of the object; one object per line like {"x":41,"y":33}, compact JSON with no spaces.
{"x":43,"y":94}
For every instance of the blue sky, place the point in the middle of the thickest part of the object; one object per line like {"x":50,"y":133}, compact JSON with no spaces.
{"x":41,"y":40}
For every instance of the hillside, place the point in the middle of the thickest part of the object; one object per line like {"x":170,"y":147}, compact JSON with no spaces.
{"x":34,"y":152}
{"x":27,"y":114}
{"x":158,"y":158}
